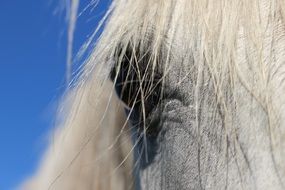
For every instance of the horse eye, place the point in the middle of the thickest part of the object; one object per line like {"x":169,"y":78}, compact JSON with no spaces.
{"x":138,"y":85}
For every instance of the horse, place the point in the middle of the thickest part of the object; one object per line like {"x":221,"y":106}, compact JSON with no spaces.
{"x":176,"y":94}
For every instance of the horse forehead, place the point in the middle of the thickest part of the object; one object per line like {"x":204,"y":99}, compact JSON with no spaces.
{"x":201,"y":145}
{"x":182,"y":163}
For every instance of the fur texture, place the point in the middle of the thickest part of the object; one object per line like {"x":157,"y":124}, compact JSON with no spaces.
{"x":230,"y":52}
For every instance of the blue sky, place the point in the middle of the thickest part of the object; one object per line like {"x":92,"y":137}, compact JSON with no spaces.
{"x":32,"y":74}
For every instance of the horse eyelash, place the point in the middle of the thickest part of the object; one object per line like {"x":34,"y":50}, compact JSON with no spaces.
{"x":127,"y":85}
